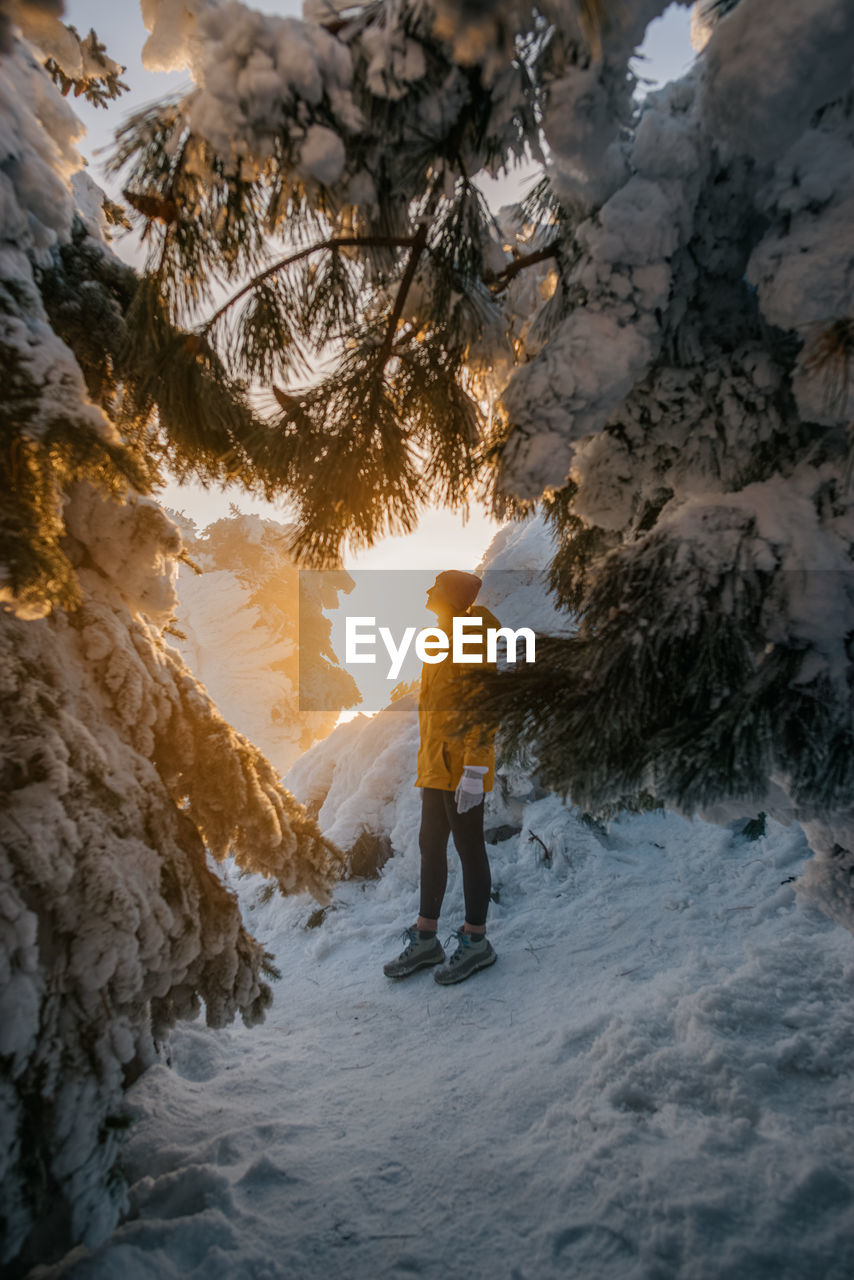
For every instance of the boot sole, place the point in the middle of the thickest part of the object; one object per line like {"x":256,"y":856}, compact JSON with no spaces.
{"x":476,"y":968}
{"x":422,"y":964}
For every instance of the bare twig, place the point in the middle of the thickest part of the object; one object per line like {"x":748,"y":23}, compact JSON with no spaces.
{"x":547,"y":853}
{"x":533,"y":950}
{"x":502,"y":278}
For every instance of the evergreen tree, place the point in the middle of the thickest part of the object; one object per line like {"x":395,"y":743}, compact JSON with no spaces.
{"x":120,"y":778}
{"x":253,"y":630}
{"x":656,"y":344}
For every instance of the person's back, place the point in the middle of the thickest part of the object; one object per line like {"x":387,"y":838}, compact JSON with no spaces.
{"x":443,"y":753}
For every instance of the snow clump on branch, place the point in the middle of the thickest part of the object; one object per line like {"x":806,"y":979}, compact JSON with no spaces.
{"x":248,"y":68}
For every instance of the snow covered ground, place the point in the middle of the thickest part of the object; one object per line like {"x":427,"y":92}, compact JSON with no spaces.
{"x":653,"y":1081}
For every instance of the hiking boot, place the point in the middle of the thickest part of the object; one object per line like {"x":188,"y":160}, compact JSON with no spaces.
{"x":466,"y":960}
{"x":419,"y":953}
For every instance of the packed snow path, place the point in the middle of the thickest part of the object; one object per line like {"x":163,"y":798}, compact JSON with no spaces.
{"x":653,"y":1081}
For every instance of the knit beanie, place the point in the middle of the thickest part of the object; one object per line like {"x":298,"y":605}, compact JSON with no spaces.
{"x":458,"y":588}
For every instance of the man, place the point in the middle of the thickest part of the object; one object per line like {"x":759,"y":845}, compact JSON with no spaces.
{"x":454,"y":773}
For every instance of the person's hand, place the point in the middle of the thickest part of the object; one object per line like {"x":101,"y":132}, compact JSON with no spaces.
{"x":469,"y":790}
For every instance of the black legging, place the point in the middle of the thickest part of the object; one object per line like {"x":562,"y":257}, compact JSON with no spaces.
{"x":439,"y":819}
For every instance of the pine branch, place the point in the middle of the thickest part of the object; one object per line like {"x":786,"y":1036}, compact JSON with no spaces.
{"x":419,"y":244}
{"x":503,"y":278}
{"x":206,"y":425}
{"x":333,"y":243}
{"x":99,"y":88}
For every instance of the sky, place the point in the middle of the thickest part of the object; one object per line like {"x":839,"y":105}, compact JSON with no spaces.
{"x":443,"y":538}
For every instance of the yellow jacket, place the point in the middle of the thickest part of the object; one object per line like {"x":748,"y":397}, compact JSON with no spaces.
{"x":442,"y":753}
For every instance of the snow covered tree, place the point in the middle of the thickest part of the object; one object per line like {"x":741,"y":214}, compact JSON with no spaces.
{"x":254,"y":632}
{"x":689,"y":424}
{"x":119,"y":775}
{"x":656,"y":343}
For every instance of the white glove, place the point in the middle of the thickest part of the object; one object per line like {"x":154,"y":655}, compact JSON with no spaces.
{"x":469,"y":790}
